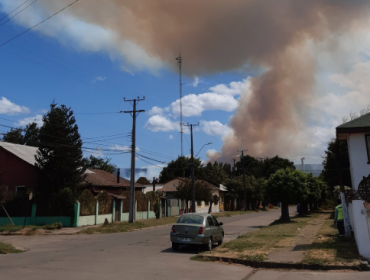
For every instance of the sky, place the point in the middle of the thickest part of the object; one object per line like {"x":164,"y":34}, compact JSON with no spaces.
{"x":273,"y":84}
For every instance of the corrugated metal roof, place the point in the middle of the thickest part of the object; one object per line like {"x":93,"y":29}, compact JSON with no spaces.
{"x":26,"y":153}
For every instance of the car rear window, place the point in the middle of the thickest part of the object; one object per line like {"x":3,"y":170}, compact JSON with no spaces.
{"x":190,"y":220}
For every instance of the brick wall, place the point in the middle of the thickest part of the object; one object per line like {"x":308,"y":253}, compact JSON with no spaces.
{"x":16,"y":172}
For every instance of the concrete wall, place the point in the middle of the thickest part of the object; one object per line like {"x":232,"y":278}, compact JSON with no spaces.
{"x":358,"y":158}
{"x":86,"y":221}
{"x":37,"y":221}
{"x":361,"y":228}
{"x":101,"y":219}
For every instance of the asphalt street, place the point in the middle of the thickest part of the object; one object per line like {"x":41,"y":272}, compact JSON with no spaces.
{"x":142,"y":254}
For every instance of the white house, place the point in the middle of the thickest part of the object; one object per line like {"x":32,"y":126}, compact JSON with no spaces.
{"x":357,"y":134}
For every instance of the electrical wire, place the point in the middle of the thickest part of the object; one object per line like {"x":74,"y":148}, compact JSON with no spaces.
{"x":14,"y":10}
{"x":18,"y":12}
{"x":49,"y":17}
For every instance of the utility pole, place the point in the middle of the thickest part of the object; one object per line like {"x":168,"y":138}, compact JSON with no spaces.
{"x":192,"y":168}
{"x":134,"y":114}
{"x":245,"y":190}
{"x":179,"y":62}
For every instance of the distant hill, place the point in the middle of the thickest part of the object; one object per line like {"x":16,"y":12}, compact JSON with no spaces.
{"x":315,"y":169}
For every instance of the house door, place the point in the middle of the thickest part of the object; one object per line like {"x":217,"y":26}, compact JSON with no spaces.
{"x":116,"y":211}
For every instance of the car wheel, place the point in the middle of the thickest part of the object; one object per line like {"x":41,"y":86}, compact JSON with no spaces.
{"x":209,"y":245}
{"x":221,"y":240}
{"x":175,"y":246}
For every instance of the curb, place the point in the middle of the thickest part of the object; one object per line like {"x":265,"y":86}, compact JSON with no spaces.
{"x":364,"y":266}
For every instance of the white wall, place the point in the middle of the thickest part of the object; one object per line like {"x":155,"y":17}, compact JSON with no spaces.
{"x":361,"y":229}
{"x":358,"y":158}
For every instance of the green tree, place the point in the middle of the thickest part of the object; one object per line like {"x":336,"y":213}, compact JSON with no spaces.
{"x":181,"y":168}
{"x":99,"y":163}
{"x":330,"y":173}
{"x":59,"y":158}
{"x":287,"y":186}
{"x":28,"y":136}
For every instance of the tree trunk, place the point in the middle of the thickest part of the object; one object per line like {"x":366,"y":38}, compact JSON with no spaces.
{"x":285,"y":212}
{"x":210,"y":207}
{"x":303,"y":209}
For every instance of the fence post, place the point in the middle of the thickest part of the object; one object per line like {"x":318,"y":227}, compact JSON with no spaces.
{"x":96,"y":212}
{"x":76,"y":216}
{"x":120,"y":209}
{"x":113,"y":209}
{"x":148,"y":209}
{"x":135,"y":210}
{"x":33,"y":211}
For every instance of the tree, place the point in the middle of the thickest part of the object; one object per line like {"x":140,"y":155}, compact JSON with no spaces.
{"x":180,"y":168}
{"x":330,"y":163}
{"x":59,"y":158}
{"x":28,"y":136}
{"x":287,"y":186}
{"x":143,"y":181}
{"x":99,"y":163}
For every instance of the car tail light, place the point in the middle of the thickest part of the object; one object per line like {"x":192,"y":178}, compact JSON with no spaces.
{"x":173,"y":229}
{"x":201,"y":230}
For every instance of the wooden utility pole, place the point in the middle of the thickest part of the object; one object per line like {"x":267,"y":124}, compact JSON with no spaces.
{"x":192,"y":168}
{"x":134,"y":114}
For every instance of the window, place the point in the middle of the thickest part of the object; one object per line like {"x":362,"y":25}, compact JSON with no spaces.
{"x":199,"y":203}
{"x":367,"y":139}
{"x":190,"y":219}
{"x":210,"y":221}
{"x":20,"y":190}
{"x":215,"y":221}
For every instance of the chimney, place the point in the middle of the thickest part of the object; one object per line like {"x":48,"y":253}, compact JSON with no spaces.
{"x":153,"y":184}
{"x":118,"y":175}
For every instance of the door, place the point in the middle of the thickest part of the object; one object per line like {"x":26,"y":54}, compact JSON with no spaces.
{"x":218,"y":228}
{"x":211,"y":229}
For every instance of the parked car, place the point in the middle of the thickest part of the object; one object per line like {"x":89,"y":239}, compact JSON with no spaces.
{"x":197,"y":228}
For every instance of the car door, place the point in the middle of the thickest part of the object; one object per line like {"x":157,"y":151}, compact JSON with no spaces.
{"x":211,"y":228}
{"x":217,"y":228}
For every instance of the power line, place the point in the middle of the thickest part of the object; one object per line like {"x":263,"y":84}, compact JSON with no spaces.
{"x":14,"y":10}
{"x":49,"y":17}
{"x":18,"y":12}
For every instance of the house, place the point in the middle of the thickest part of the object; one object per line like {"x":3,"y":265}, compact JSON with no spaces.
{"x":99,"y":180}
{"x":357,"y":134}
{"x":201,"y":206}
{"x":17,"y":167}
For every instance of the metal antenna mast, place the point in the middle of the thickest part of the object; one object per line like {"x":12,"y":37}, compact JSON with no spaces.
{"x":179,"y":62}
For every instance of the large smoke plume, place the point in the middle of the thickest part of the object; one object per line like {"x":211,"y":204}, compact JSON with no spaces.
{"x":222,"y":35}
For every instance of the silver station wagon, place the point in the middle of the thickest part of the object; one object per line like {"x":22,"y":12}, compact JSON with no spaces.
{"x":197,"y":228}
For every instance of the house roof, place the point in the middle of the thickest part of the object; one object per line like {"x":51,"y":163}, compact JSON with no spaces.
{"x":97,"y":177}
{"x":26,"y":153}
{"x":169,"y":186}
{"x":358,"y":125}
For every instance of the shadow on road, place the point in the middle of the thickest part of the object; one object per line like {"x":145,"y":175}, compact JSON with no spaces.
{"x":186,"y":249}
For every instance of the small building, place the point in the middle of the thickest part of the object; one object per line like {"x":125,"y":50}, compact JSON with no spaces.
{"x":17,"y":167}
{"x":357,"y":134}
{"x":99,"y":180}
{"x":170,"y":188}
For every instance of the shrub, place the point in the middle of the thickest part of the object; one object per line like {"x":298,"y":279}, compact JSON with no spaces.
{"x":105,"y":203}
{"x":54,"y":226}
{"x":87,"y":203}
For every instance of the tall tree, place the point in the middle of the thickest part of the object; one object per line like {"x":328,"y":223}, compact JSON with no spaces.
{"x":60,"y":160}
{"x":28,"y":136}
{"x":181,"y":168}
{"x":99,"y":163}
{"x":330,"y":171}
{"x":287,"y":186}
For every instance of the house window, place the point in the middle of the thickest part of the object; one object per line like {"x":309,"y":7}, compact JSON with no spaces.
{"x":367,"y":139}
{"x":199,"y":203}
{"x":19,"y":190}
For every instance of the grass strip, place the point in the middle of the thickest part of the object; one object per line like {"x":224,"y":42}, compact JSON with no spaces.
{"x":255,"y":246}
{"x":8,"y":249}
{"x":126,"y":227}
{"x":330,"y":248}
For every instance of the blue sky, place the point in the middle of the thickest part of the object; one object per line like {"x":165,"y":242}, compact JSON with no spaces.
{"x":77,"y":63}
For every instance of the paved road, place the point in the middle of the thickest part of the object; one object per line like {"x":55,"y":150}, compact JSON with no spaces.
{"x":144,"y":254}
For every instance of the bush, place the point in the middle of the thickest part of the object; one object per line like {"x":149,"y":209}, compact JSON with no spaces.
{"x":87,"y":203}
{"x":105,"y":203}
{"x":64,"y":202}
{"x":54,"y":226}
